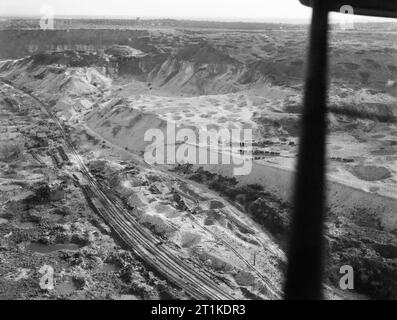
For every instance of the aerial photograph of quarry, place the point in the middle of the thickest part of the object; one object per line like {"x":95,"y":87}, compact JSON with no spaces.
{"x":152,"y":155}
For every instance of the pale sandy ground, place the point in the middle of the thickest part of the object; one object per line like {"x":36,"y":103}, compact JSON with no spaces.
{"x":348,"y":189}
{"x":236,"y":111}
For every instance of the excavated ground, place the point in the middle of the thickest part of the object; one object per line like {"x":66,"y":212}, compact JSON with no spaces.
{"x":76,"y":195}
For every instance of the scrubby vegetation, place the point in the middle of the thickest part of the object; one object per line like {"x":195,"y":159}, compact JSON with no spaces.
{"x":267,"y":210}
{"x":371,"y":111}
{"x":10,"y":151}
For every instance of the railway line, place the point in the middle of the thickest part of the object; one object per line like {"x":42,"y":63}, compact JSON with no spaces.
{"x":146,"y":246}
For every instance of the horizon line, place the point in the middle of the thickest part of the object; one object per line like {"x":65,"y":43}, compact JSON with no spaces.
{"x":269,"y":20}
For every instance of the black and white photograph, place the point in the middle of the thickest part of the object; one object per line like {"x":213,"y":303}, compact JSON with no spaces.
{"x":170,"y":151}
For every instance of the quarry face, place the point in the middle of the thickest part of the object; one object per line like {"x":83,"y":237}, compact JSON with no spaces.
{"x":81,"y":109}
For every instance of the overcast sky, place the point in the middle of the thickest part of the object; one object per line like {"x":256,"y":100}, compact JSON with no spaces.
{"x":255,"y":10}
